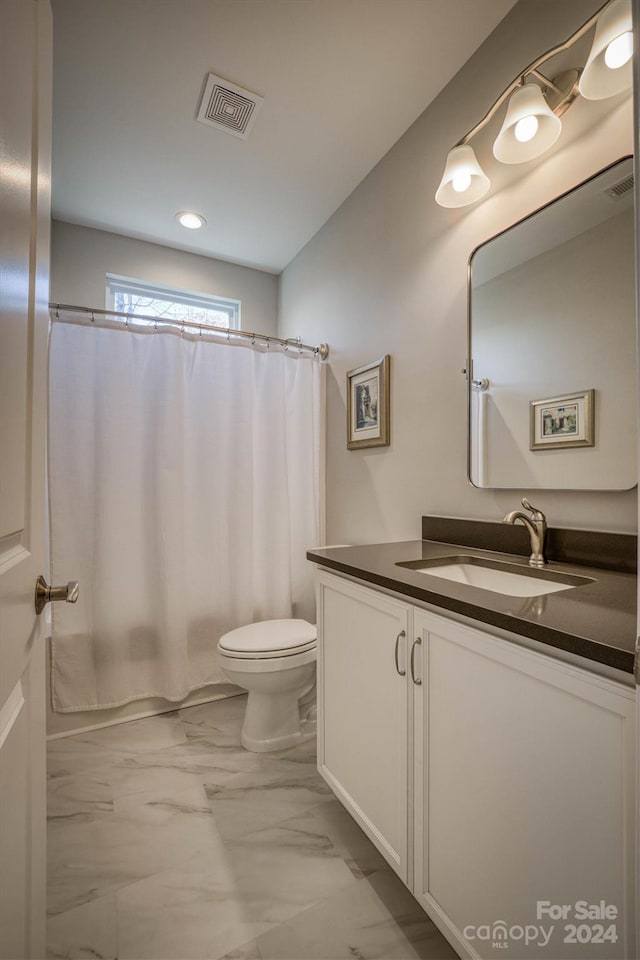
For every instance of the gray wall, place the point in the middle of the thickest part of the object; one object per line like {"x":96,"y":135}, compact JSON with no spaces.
{"x":80,"y":258}
{"x":387,"y":274}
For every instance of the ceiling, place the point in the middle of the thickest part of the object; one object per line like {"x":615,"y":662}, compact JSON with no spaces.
{"x":341,"y":80}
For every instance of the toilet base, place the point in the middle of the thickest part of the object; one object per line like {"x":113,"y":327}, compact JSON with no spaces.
{"x":279,"y":743}
{"x":289,"y":720}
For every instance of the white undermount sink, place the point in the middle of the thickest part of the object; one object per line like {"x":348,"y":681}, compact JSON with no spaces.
{"x":495,"y":576}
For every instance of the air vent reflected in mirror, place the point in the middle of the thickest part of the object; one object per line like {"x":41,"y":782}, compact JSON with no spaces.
{"x":620,"y":189}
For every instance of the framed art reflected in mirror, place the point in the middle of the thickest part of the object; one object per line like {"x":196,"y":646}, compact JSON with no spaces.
{"x":562,"y":422}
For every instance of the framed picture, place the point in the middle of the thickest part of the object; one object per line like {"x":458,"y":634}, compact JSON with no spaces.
{"x":561,"y":422}
{"x":368,"y":405}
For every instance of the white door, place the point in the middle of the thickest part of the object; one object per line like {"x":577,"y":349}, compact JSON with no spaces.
{"x":636,"y":114}
{"x":25,"y":98}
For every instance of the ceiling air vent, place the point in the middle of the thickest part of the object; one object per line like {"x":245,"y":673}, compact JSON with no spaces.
{"x":619,"y":189}
{"x":228,"y":107}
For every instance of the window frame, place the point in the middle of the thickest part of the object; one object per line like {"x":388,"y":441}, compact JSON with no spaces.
{"x":116,"y":283}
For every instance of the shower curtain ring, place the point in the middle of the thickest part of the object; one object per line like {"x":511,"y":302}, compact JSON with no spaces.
{"x":93,"y":317}
{"x":268,"y":343}
{"x":253,"y":341}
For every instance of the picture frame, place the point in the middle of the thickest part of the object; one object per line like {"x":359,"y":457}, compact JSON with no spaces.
{"x":558,"y":423}
{"x":368,"y":413}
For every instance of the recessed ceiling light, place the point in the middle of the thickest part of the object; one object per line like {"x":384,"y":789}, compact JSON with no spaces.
{"x":190,"y":220}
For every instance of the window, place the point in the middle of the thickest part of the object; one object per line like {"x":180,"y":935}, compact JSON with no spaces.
{"x":154,"y":300}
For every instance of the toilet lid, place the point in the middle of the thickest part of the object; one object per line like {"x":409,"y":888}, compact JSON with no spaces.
{"x":269,"y":638}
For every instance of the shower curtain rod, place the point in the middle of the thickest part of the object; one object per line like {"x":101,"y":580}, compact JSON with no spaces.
{"x":321,"y":350}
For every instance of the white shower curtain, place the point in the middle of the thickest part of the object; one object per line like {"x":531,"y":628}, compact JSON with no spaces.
{"x":184,"y":491}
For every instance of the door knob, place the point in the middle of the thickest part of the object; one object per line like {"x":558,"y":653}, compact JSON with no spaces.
{"x":46,"y":594}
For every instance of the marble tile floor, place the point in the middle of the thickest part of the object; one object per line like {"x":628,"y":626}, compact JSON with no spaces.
{"x":168,"y":841}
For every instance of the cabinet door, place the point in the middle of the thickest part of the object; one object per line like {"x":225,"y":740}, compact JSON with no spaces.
{"x":524,"y":799}
{"x":363,"y":710}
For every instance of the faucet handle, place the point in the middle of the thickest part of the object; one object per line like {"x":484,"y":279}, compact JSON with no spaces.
{"x":536,"y":514}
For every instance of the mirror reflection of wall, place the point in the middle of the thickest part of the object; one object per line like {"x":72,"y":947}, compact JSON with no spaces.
{"x":552,"y":313}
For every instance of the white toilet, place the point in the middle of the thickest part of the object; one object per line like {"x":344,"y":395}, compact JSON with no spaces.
{"x":275,"y":661}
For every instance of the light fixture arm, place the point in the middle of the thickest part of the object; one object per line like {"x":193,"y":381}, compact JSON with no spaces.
{"x":532,"y":70}
{"x":545,"y":80}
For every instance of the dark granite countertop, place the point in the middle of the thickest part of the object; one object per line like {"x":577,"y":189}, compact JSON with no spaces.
{"x":596,"y":620}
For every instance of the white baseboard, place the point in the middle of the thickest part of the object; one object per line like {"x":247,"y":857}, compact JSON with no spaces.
{"x":116,"y":721}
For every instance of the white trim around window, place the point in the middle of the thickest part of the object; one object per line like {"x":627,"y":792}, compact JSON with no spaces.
{"x":128,"y":295}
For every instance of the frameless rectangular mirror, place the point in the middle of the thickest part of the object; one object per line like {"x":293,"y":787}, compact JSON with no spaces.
{"x":552,"y":344}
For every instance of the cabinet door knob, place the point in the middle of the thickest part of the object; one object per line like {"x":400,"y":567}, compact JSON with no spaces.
{"x":46,"y":594}
{"x":416,"y":643}
{"x":402,"y":673}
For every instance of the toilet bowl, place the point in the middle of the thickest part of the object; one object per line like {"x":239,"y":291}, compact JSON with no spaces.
{"x":275,"y":662}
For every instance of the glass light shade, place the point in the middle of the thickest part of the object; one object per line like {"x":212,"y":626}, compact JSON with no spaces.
{"x":463,"y":180}
{"x":599,"y":80}
{"x":526,"y":102}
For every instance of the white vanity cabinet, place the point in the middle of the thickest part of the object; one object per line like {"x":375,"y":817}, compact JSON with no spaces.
{"x":363,"y":734}
{"x":516,"y":769}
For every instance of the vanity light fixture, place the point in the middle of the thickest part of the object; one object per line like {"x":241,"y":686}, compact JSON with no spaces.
{"x":609,"y":70}
{"x":463,"y":180}
{"x":530,"y":126}
{"x":536,"y":103}
{"x":190,"y":220}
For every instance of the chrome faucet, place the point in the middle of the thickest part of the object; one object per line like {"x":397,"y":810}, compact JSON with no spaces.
{"x":536,"y":524}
